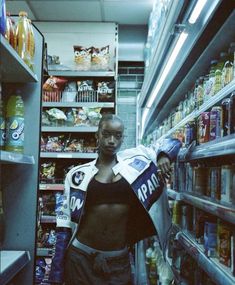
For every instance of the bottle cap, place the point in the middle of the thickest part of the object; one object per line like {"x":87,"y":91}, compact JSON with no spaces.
{"x":23,"y":13}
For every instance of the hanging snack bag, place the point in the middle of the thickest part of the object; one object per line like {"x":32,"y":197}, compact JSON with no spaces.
{"x":82,"y":57}
{"x":105,"y":90}
{"x":100,"y":58}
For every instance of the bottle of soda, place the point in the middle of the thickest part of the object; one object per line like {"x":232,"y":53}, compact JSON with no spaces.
{"x":22,"y":37}
{"x":15,"y":124}
{"x":2,"y":122}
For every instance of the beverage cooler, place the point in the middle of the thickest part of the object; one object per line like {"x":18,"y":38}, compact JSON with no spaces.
{"x":188,"y":93}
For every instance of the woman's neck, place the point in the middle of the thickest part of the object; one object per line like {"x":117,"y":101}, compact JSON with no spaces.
{"x":107,"y":160}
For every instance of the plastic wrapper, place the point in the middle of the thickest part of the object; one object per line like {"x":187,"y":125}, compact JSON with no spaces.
{"x":40,"y":270}
{"x":100,"y":58}
{"x":45,"y":119}
{"x":105,"y":90}
{"x":81,"y":117}
{"x":70,"y":92}
{"x":55,"y":144}
{"x":85,"y":90}
{"x":74,"y":146}
{"x":56,"y":116}
{"x":93,"y":115}
{"x":47,"y":171}
{"x":54,"y":83}
{"x":82,"y":57}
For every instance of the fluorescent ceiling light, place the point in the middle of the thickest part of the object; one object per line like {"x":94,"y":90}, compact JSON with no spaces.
{"x":167,"y":68}
{"x":196,"y":11}
{"x":144,"y":116}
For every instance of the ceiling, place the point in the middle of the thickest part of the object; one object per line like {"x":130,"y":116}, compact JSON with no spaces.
{"x":123,"y":12}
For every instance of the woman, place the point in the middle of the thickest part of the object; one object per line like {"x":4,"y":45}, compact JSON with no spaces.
{"x":110,"y":204}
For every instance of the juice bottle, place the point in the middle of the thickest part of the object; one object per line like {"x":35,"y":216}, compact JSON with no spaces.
{"x":21,"y":37}
{"x":31,"y":44}
{"x":15,"y":124}
{"x":2,"y":17}
{"x":2,"y":123}
{"x":10,"y":31}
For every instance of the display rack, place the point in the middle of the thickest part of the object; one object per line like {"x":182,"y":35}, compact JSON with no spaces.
{"x":20,"y":180}
{"x":11,"y":263}
{"x":219,"y":274}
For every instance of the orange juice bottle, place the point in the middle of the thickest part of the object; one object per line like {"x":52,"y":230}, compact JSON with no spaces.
{"x":31,"y":43}
{"x":21,"y":37}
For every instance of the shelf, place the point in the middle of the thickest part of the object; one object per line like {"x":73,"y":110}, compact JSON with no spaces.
{"x":51,"y":187}
{"x":46,"y":219}
{"x":44,"y":252}
{"x":77,"y":73}
{"x":13,"y":68}
{"x":225,"y":212}
{"x":14,"y":157}
{"x":219,"y":147}
{"x":11,"y":263}
{"x":80,"y":129}
{"x":223,"y":93}
{"x":217,"y":272}
{"x":78,"y":104}
{"x":174,"y":195}
{"x":81,"y":155}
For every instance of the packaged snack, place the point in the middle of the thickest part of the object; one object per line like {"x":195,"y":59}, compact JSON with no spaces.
{"x":70,"y":92}
{"x":55,"y":144}
{"x":93,"y":115}
{"x":224,"y":248}
{"x":82,"y":57}
{"x":45,"y":119}
{"x":54,"y":83}
{"x":47,"y":171}
{"x":100,"y":58}
{"x":85,"y":91}
{"x":40,"y":270}
{"x":56,"y":116}
{"x":81,"y":117}
{"x":105,"y":90}
{"x":74,"y":146}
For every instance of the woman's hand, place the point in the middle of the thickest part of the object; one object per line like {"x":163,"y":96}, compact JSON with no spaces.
{"x":164,"y":167}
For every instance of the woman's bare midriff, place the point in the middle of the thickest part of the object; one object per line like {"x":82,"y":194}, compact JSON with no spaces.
{"x":104,"y":227}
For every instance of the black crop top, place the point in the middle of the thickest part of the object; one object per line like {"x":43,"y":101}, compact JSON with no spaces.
{"x":119,"y":192}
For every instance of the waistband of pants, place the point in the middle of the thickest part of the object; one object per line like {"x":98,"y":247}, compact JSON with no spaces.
{"x":89,"y":250}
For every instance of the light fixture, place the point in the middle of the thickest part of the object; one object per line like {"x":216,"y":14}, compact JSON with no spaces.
{"x":183,"y":36}
{"x":144,"y":116}
{"x":196,"y":11}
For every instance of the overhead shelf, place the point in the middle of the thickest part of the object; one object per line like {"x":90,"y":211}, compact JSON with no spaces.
{"x":80,"y":129}
{"x":11,"y":262}
{"x":78,"y":104}
{"x":225,"y":212}
{"x":219,"y":147}
{"x":12,"y":67}
{"x":82,"y":155}
{"x":218,"y":273}
{"x":54,"y":71}
{"x":14,"y":157}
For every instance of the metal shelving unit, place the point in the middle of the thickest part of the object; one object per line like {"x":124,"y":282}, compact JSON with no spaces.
{"x":51,"y":187}
{"x":13,"y":157}
{"x":46,"y":219}
{"x":46,"y":252}
{"x":20,"y":180}
{"x":218,"y":273}
{"x":78,"y":104}
{"x":11,"y":262}
{"x":76,"y":73}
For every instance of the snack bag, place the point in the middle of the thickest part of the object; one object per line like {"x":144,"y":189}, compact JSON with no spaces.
{"x":105,"y":90}
{"x":85,"y":91}
{"x":82,"y":57}
{"x":100,"y":58}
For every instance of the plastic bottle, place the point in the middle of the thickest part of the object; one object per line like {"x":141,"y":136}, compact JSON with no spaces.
{"x":31,"y":43}
{"x":2,"y":17}
{"x":15,"y":124}
{"x":10,"y":31}
{"x":2,"y":124}
{"x":219,"y":72}
{"x":21,"y":37}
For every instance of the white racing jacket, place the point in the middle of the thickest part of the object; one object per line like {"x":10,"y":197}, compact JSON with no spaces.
{"x":139,"y":168}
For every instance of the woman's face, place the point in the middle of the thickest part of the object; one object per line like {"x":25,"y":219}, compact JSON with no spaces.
{"x":110,"y":137}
